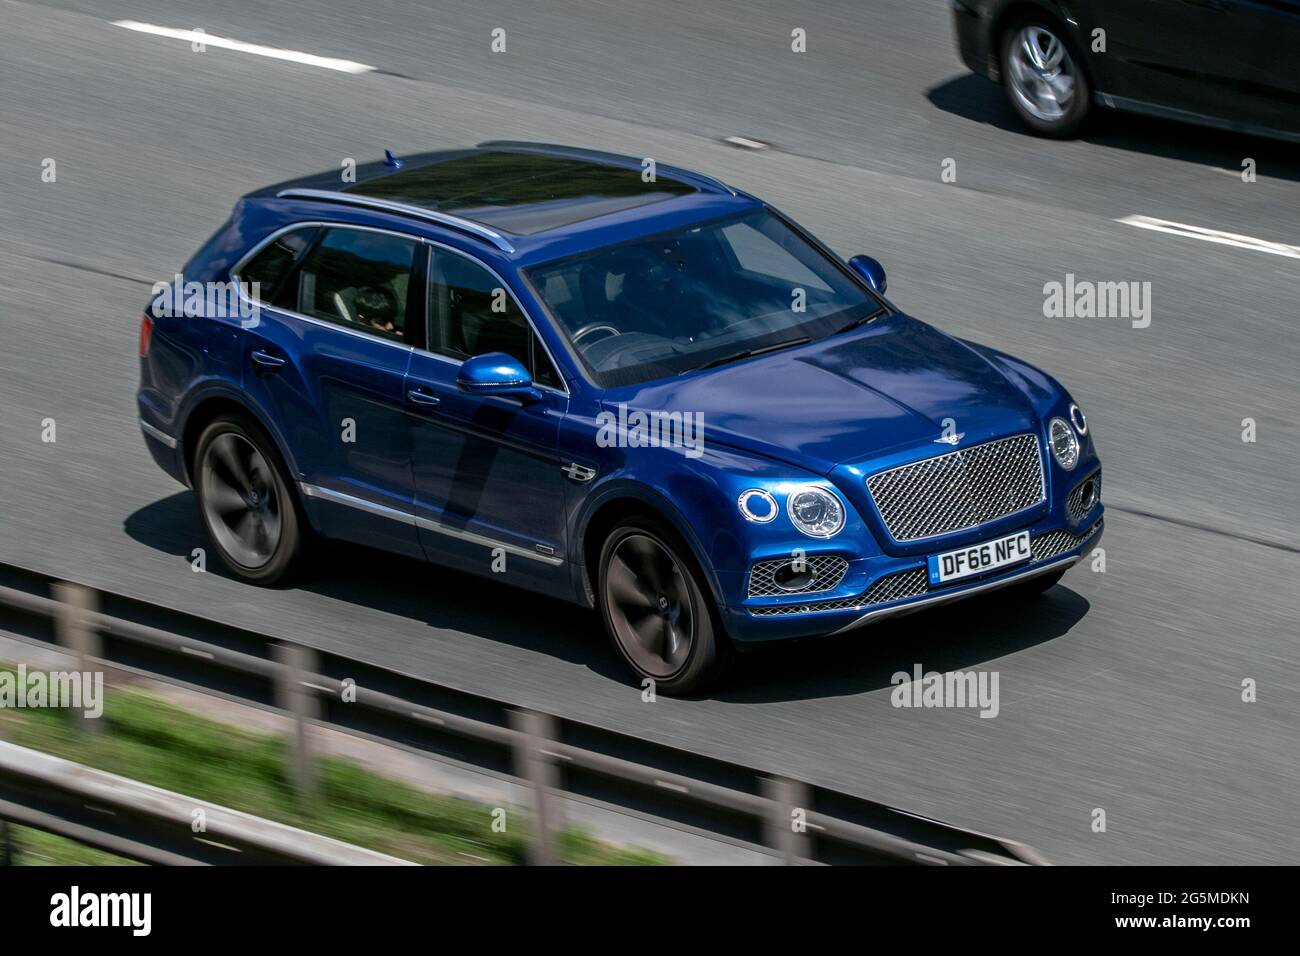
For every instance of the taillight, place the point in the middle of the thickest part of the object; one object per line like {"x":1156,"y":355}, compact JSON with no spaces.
{"x":146,"y":333}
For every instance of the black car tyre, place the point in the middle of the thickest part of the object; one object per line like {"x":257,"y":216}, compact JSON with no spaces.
{"x":1043,"y":74}
{"x":245,"y":501}
{"x":657,"y":609}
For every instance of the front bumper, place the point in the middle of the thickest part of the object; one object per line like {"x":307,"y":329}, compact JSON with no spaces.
{"x":904,"y":587}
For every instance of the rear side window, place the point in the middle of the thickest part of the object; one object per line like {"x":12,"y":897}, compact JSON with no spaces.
{"x":355,"y":278}
{"x":471,"y":313}
{"x":263,"y":274}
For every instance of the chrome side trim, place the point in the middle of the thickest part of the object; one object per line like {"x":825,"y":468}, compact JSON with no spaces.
{"x":428,"y":524}
{"x":361,"y":504}
{"x":403,"y":209}
{"x":157,"y":433}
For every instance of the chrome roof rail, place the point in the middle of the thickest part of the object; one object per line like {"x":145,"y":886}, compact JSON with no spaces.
{"x":402,"y":209}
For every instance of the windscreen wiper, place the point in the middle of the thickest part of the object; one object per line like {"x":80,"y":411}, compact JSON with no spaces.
{"x":749,"y":353}
{"x":861,"y":320}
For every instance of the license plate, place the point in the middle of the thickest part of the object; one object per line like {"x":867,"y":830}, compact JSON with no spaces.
{"x":979,"y":558}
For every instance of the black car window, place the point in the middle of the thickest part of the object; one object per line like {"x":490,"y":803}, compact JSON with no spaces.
{"x":356,"y":278}
{"x":262,"y":274}
{"x":471,"y":313}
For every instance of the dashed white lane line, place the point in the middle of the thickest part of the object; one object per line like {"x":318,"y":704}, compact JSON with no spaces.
{"x":745,"y":143}
{"x":226,"y":43}
{"x":1212,"y":235}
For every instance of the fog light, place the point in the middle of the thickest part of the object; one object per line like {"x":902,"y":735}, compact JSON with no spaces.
{"x":795,"y":577}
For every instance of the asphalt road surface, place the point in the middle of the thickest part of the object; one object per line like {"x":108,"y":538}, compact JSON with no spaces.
{"x":1120,"y":690}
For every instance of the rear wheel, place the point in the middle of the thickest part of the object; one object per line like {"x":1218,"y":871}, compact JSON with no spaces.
{"x":1044,"y":78}
{"x":656,"y":607}
{"x":245,"y":502}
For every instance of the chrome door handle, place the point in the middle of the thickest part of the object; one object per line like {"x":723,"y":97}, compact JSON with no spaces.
{"x":266,"y":360}
{"x":417,"y":397}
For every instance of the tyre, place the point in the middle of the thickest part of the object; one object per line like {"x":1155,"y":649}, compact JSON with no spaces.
{"x":657,"y":609}
{"x":1044,"y":77}
{"x":245,"y":501}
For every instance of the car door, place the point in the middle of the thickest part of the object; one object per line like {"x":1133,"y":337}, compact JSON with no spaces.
{"x":327,"y":359}
{"x":487,"y":472}
{"x":1155,"y":51}
{"x":1253,"y":48}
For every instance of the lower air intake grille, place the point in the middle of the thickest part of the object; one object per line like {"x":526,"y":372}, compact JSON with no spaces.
{"x":823,"y":572}
{"x":915,"y":582}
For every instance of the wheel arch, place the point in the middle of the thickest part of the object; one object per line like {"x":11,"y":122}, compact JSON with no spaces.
{"x":206,"y":407}
{"x":629,"y":499}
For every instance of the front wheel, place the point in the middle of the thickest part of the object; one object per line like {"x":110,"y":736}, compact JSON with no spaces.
{"x":1044,"y":80}
{"x":245,"y":502}
{"x":656,"y":608}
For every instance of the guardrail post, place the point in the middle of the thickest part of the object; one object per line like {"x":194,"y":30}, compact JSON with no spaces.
{"x":75,"y":632}
{"x":785,"y":797}
{"x":293,"y":695}
{"x":537,"y":770}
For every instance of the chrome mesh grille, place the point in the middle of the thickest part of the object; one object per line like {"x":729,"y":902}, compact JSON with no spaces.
{"x":1074,"y":502}
{"x":892,"y":587}
{"x":961,"y":489}
{"x":826,"y":570}
{"x":1056,"y":542}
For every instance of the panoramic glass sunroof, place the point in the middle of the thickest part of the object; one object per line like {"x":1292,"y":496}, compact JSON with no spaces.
{"x":521,"y":193}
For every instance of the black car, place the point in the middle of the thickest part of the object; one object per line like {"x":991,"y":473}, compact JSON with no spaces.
{"x":1233,"y":64}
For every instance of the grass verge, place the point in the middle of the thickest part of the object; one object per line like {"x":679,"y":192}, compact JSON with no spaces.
{"x":156,"y":742}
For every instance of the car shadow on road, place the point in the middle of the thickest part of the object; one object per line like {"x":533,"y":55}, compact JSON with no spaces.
{"x":433,"y":595}
{"x":962,"y":636}
{"x":975,"y":98}
{"x":953,"y":637}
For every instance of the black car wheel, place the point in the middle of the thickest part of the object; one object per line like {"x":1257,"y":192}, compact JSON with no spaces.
{"x":656,"y":609}
{"x":245,"y":502}
{"x":1044,"y":77}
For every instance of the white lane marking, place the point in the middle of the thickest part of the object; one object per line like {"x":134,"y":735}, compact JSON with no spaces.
{"x":1212,"y":235}
{"x":744,"y":143}
{"x":225,"y":43}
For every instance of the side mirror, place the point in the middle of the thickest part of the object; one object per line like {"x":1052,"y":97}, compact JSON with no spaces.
{"x":871,"y":270}
{"x":495,"y":373}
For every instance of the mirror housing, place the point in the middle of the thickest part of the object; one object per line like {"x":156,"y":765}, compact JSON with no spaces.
{"x":496,"y":373}
{"x":871,"y":270}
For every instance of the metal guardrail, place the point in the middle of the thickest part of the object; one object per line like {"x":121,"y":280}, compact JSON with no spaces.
{"x":800,"y":822}
{"x":151,"y":825}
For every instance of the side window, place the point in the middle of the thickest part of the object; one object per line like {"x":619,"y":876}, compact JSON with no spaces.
{"x":262,"y":274}
{"x":756,"y":252}
{"x":355,"y":278}
{"x":471,"y":313}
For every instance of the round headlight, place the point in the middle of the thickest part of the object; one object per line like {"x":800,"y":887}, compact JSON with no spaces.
{"x":1077,"y":420}
{"x":1065,"y":447}
{"x":757,"y":505}
{"x":815,"y":511}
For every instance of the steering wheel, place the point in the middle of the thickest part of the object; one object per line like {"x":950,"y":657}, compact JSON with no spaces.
{"x":591,"y":327}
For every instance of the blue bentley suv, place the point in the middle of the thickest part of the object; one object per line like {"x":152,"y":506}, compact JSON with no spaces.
{"x":619,"y":383}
